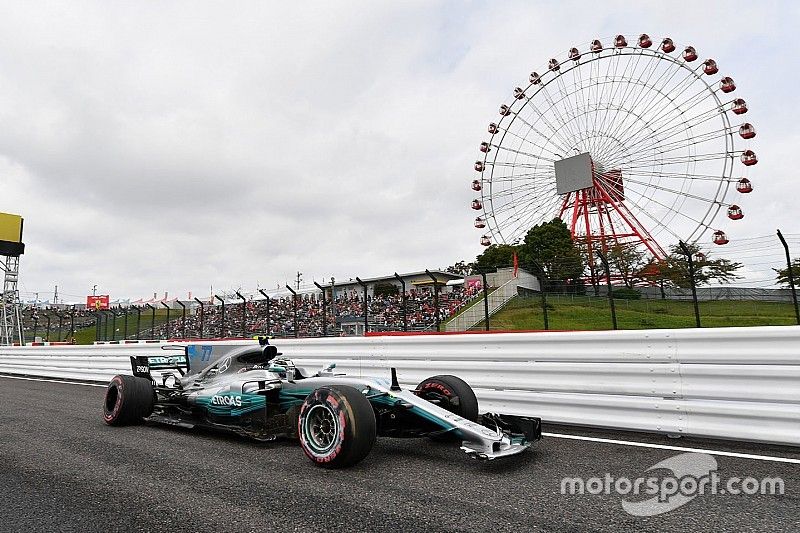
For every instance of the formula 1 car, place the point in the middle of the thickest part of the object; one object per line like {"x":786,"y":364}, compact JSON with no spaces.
{"x":253,"y":391}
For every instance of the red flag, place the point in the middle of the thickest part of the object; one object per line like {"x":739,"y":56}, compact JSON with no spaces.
{"x":516,"y":264}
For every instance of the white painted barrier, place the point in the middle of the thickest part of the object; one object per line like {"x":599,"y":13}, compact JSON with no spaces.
{"x":734,"y":383}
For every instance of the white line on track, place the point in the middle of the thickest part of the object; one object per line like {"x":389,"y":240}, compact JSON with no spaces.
{"x":674,"y":448}
{"x":54,"y":381}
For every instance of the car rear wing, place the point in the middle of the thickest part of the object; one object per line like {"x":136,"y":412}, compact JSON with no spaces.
{"x":142,"y":365}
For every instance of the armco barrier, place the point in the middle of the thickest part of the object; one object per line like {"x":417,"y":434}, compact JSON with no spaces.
{"x":734,"y":383}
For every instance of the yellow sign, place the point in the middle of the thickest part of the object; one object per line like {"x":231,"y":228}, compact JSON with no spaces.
{"x":10,"y":228}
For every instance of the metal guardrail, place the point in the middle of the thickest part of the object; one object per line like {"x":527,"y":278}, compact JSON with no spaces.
{"x":733,"y":383}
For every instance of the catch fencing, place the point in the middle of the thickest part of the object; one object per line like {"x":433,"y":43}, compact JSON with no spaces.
{"x":731,"y":383}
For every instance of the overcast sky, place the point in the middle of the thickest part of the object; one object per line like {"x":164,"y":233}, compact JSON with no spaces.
{"x":172,"y":146}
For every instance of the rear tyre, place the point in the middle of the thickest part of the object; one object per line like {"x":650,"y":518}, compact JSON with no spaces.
{"x":452,"y":394}
{"x":336,"y":426}
{"x":128,"y":400}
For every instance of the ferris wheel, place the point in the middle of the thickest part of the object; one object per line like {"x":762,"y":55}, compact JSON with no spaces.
{"x":627,"y":144}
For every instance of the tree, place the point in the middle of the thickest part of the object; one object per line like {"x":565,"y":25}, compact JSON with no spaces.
{"x":462,"y":268}
{"x":675,"y":269}
{"x":549,"y":251}
{"x":385,"y":289}
{"x":496,"y":256}
{"x":630,"y":262}
{"x":782,"y":274}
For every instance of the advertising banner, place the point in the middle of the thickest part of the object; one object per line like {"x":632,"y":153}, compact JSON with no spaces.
{"x":97,"y":302}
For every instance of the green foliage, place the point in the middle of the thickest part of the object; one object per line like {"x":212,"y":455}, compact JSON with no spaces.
{"x":549,"y":251}
{"x":629,"y":262}
{"x":625,"y":293}
{"x":386,"y":289}
{"x":496,"y":256}
{"x":674,"y":271}
{"x":782,"y":274}
{"x":461,"y":268}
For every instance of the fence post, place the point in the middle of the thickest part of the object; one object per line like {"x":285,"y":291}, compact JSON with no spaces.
{"x":405,"y":301}
{"x":333,"y":306}
{"x":202,"y":315}
{"x":125,"y":327}
{"x":366,"y":304}
{"x":608,"y":285}
{"x":324,"y":310}
{"x":265,"y":295}
{"x":60,"y":324}
{"x":152,"y":321}
{"x":222,"y":333}
{"x":105,"y":329}
{"x":167,"y":322}
{"x":294,"y":306}
{"x":791,"y":276}
{"x":485,"y":288}
{"x":138,"y":320}
{"x":72,"y":323}
{"x":47,"y":335}
{"x":183,"y":321}
{"x":244,"y":313}
{"x":35,"y":324}
{"x":435,"y":296}
{"x":543,"y":297}
{"x":113,"y":325}
{"x":688,"y":254}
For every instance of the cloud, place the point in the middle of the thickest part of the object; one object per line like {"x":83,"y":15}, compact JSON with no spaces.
{"x":172,"y":147}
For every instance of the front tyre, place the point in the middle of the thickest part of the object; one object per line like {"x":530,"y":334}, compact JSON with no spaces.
{"x":336,"y":426}
{"x":452,"y":394}
{"x":128,"y":400}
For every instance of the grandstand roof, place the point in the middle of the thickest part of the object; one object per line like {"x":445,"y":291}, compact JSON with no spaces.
{"x":438,"y":273}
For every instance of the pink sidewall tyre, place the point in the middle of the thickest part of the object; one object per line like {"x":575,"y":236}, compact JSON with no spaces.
{"x":336,"y":426}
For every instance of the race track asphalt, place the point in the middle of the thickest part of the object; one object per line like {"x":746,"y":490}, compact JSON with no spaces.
{"x":63,"y":469}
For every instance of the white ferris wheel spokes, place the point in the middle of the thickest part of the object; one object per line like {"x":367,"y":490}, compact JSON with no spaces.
{"x":627,"y":144}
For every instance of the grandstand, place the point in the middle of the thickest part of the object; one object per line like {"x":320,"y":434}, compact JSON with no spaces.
{"x":263,"y":313}
{"x":343,"y":316}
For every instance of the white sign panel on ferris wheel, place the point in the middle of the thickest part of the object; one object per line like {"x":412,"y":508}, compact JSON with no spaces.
{"x":573,"y":173}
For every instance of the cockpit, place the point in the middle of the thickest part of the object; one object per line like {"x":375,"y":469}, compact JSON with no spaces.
{"x":232,"y":364}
